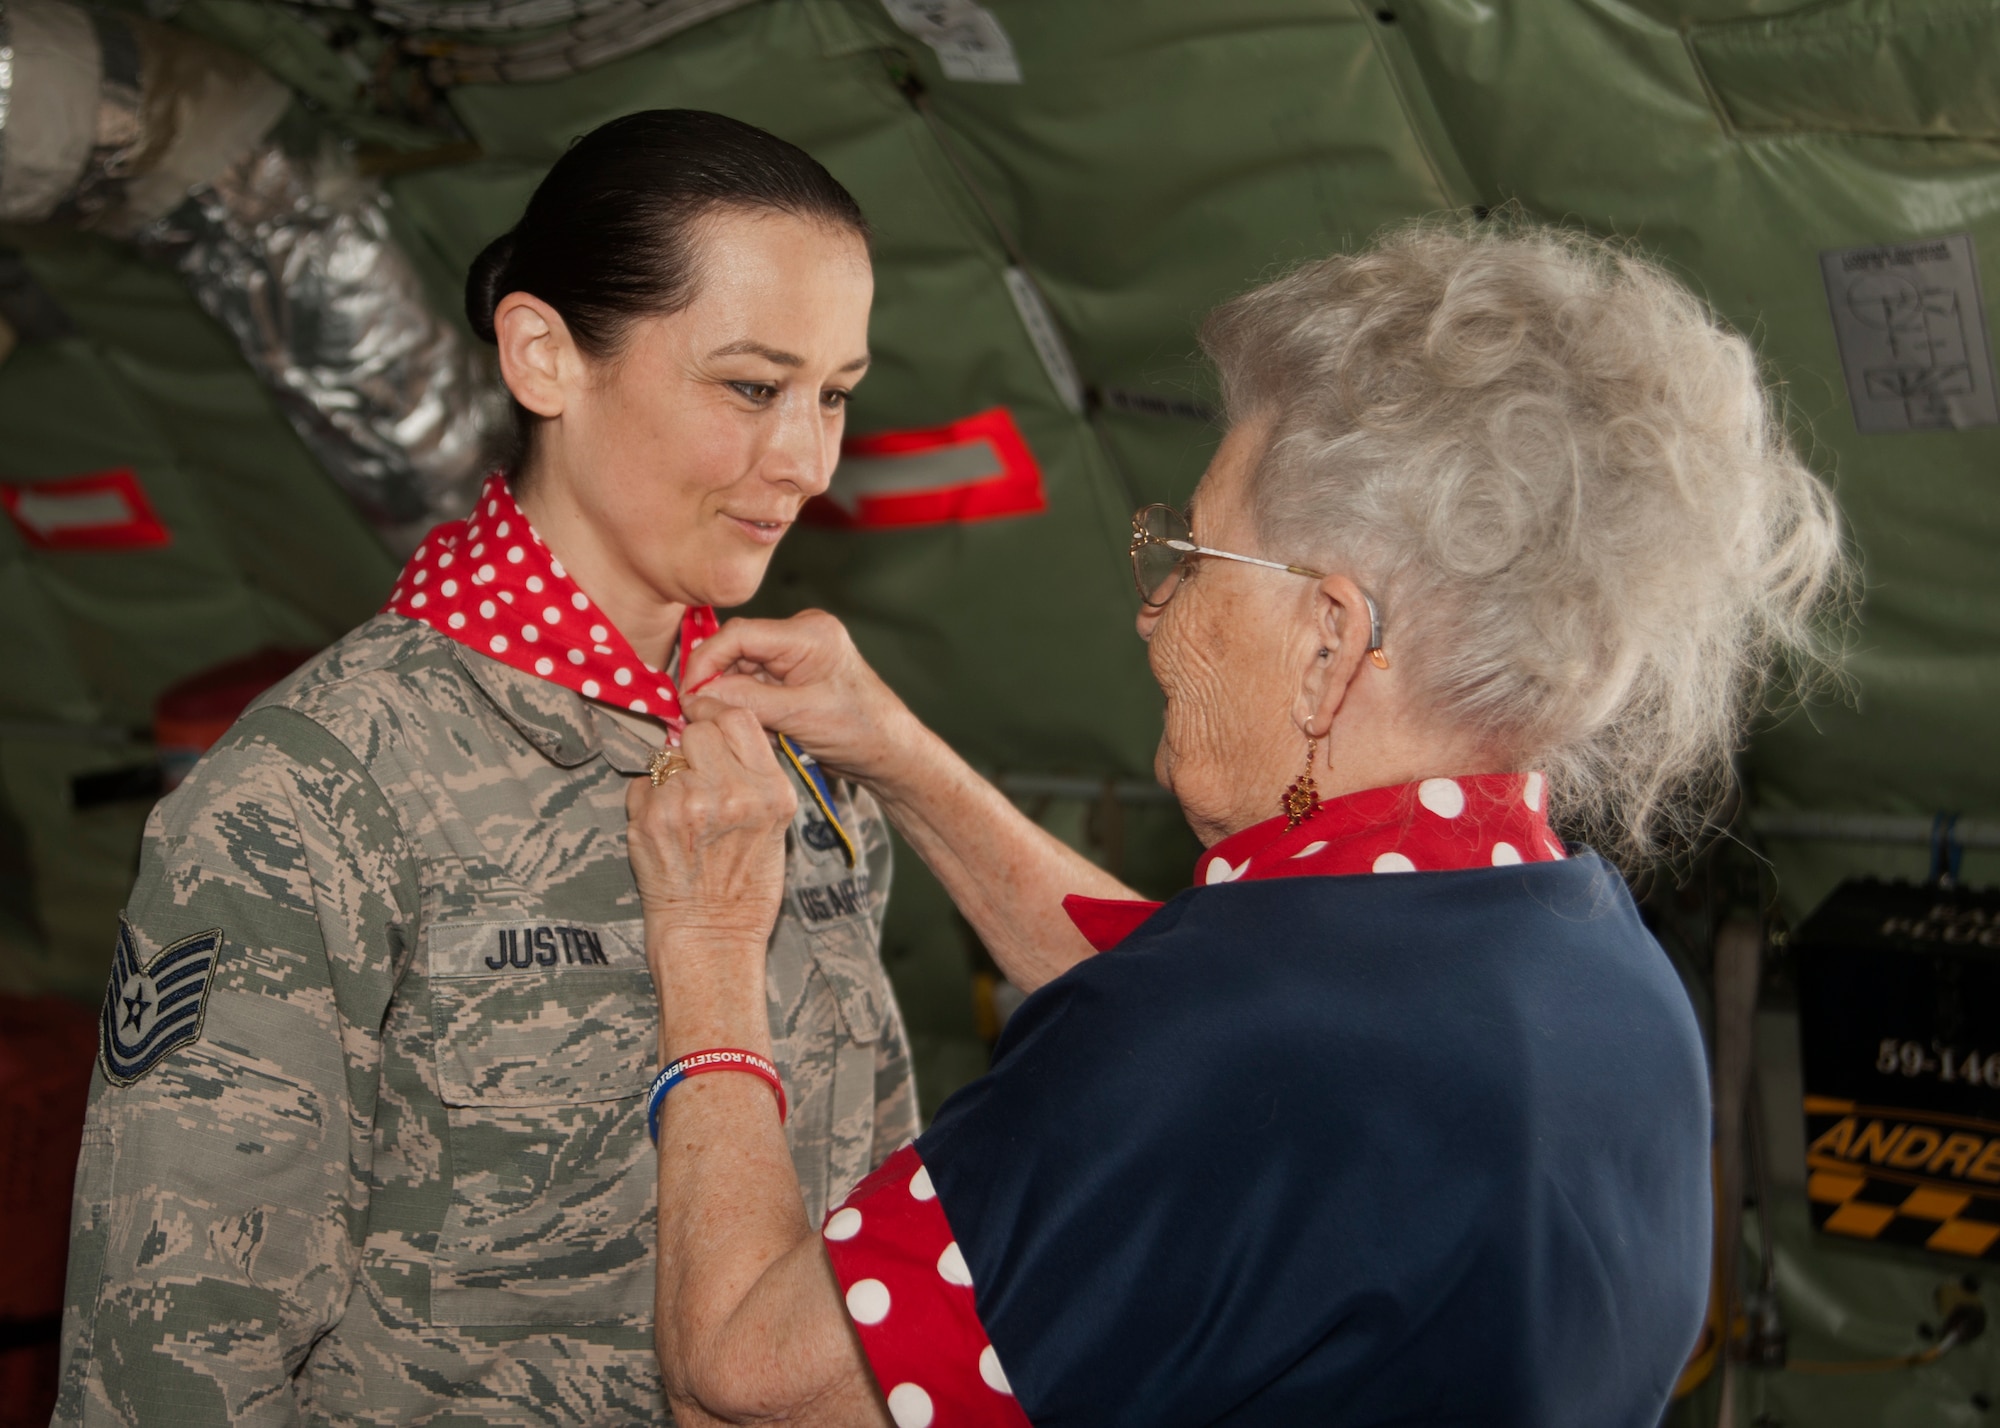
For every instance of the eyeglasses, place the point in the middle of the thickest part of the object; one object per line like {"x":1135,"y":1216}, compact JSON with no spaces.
{"x":1163,"y":552}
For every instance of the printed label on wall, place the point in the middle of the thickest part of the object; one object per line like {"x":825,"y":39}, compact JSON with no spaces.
{"x":1899,"y":1050}
{"x":1904,"y":1176}
{"x":1912,"y":334}
{"x":967,"y":38}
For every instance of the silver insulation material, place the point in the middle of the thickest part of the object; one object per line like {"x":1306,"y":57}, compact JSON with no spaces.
{"x":111,"y":118}
{"x":596,"y":37}
{"x":578,"y":35}
{"x":496,"y":15}
{"x":295,"y":258}
{"x":51,"y":106}
{"x":501,"y":16}
{"x":6,"y":69}
{"x":119,"y":125}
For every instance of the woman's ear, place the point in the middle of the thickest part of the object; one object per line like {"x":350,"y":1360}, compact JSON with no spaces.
{"x":1338,"y":651}
{"x":539,"y":360}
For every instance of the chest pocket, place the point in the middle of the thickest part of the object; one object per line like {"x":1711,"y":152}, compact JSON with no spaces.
{"x":834,"y":903}
{"x":545,"y":1038}
{"x":845,"y":955}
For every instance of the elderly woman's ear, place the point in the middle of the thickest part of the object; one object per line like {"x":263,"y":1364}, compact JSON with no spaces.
{"x":1337,"y":654}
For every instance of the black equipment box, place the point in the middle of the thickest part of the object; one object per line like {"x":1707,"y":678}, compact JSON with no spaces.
{"x":1899,"y":1028}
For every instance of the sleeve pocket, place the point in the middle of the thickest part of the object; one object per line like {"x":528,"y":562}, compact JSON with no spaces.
{"x":90,"y":1216}
{"x":846,"y":956}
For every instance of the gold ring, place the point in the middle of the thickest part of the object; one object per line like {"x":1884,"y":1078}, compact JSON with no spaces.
{"x":666,"y":763}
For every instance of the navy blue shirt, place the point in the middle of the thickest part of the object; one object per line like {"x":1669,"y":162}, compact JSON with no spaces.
{"x":1418,"y":1149}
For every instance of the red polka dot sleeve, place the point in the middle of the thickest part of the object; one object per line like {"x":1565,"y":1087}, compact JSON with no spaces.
{"x":910,"y":1296}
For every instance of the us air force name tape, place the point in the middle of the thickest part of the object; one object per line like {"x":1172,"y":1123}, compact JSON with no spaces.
{"x":832,"y":903}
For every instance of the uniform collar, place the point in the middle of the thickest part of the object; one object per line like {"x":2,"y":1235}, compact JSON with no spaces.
{"x":564,"y":727}
{"x":490,"y":584}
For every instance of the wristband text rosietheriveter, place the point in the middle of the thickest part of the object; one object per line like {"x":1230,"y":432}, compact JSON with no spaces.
{"x":720,"y":1058}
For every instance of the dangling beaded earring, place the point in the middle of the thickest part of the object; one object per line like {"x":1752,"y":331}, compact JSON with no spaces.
{"x":1301,"y":800}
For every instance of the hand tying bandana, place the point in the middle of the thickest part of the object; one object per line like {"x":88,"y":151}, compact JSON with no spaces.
{"x":489,"y":583}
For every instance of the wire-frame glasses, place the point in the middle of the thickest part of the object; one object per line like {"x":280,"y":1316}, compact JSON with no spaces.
{"x":1163,"y":550}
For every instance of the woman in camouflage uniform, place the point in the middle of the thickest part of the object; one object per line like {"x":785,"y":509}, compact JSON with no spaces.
{"x":368,"y":1142}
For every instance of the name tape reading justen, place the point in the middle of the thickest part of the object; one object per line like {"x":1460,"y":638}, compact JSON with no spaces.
{"x":511,"y":948}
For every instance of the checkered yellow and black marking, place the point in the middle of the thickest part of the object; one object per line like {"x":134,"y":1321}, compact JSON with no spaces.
{"x":1901,"y":1176}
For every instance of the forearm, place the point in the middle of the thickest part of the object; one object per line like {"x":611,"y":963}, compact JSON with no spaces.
{"x":1006,"y":875}
{"x":750,"y":1326}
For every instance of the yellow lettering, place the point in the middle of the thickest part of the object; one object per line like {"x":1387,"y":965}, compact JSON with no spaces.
{"x":1875,"y":1142}
{"x":1987,"y":1167}
{"x":1957,"y":1152}
{"x":1835,"y":1141}
{"x":1917,"y":1145}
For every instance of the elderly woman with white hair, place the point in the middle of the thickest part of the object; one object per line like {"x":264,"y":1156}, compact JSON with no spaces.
{"x":1398,"y":1115}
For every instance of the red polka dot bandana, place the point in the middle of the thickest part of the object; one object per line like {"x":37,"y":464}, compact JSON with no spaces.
{"x":909,"y":1293}
{"x":489,"y":583}
{"x":1476,"y":821}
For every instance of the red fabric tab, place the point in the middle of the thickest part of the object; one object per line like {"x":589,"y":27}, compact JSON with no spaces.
{"x":1439,"y":825}
{"x":1107,"y":921}
{"x":489,"y":583}
{"x":910,"y":1295}
{"x":975,"y":469}
{"x":104,"y":511}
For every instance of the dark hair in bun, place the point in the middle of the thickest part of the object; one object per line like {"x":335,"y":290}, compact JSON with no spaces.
{"x":608,"y":236}
{"x":486,"y":283}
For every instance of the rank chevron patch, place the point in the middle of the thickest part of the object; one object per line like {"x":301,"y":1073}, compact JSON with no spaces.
{"x":153,"y":1009}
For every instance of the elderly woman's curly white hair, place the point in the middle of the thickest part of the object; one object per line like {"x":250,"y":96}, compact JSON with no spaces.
{"x":1561,"y":477}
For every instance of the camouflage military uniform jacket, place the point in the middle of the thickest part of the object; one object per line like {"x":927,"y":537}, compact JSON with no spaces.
{"x":401,"y":1173}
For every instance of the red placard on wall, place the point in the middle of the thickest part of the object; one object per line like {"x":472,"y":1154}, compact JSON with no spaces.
{"x":106,"y":510}
{"x":974,"y":469}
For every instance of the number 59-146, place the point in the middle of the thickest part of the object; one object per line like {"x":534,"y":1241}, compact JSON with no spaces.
{"x":1910,"y":1058}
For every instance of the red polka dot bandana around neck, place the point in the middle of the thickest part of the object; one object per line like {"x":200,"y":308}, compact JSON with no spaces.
{"x":489,"y":583}
{"x":1438,"y":825}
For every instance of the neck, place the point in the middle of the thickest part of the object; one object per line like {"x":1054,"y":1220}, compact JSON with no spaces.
{"x":1358,"y":754}
{"x":1380,"y":737}
{"x":649,"y":621}
{"x":1390,"y":763}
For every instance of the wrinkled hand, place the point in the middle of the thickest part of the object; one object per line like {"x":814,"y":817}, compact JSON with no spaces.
{"x":708,"y":845}
{"x":805,"y":677}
